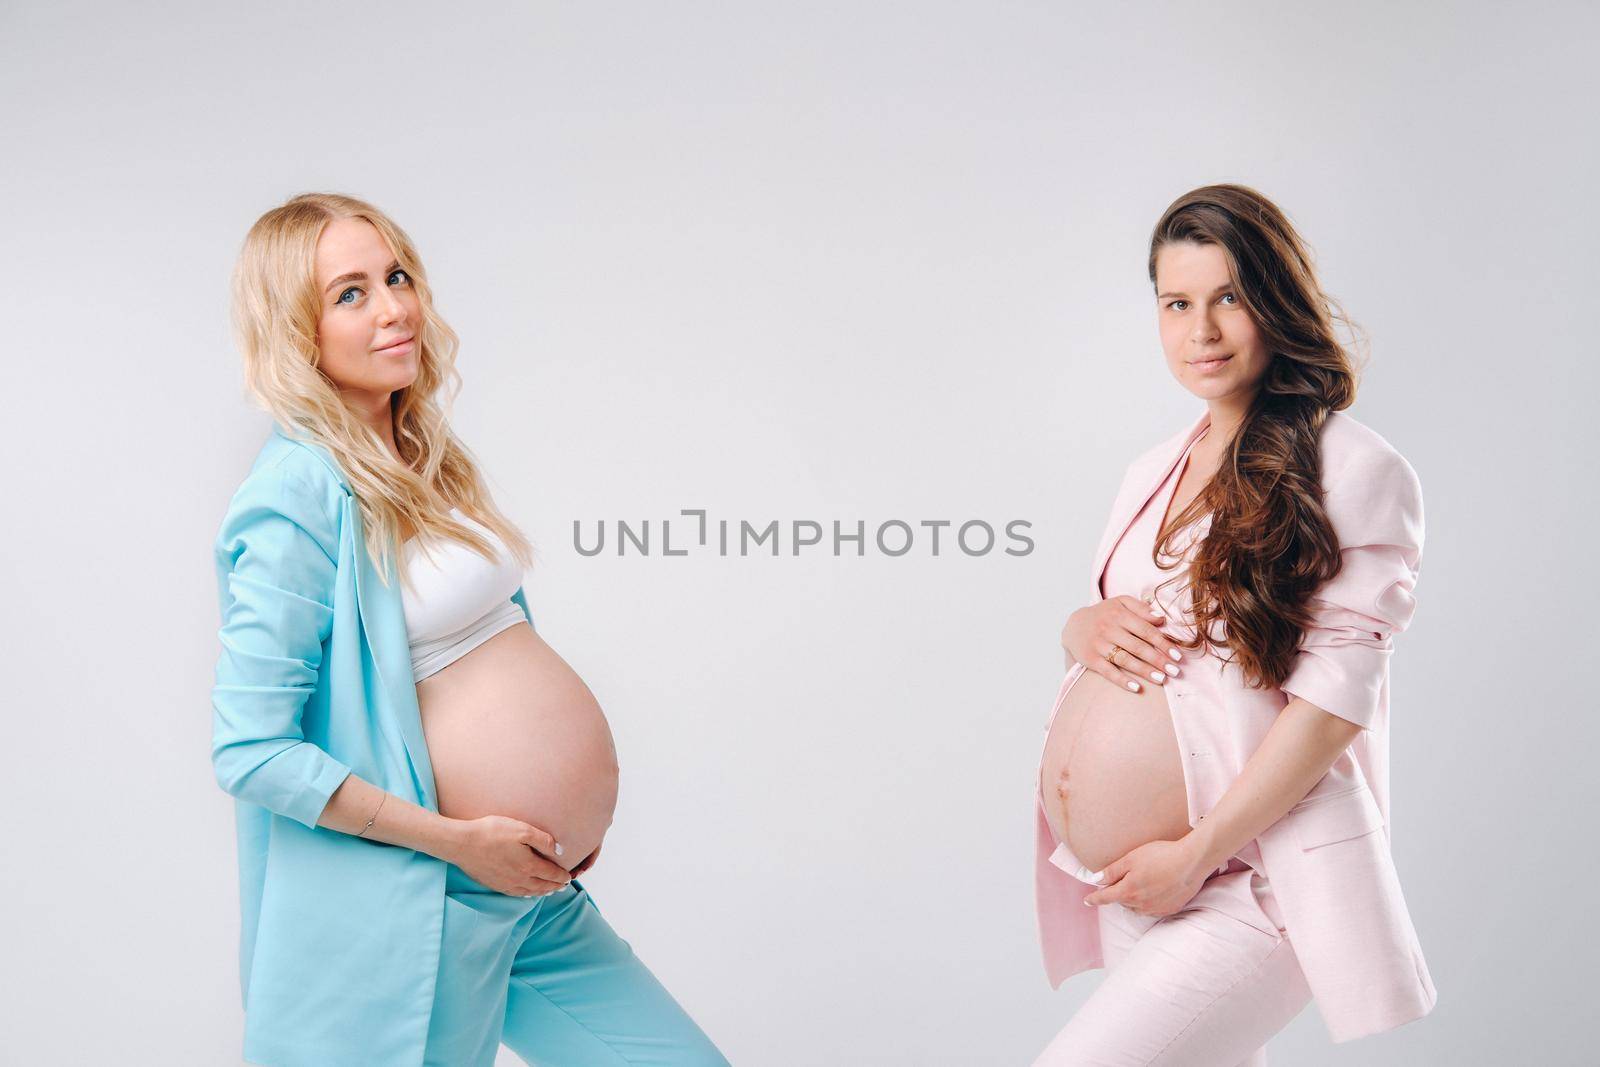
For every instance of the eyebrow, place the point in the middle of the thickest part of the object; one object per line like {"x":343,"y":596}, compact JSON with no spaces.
{"x":359,"y":276}
{"x":1218,"y":289}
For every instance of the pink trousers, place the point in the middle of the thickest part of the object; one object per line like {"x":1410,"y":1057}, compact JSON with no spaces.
{"x":1206,"y":986}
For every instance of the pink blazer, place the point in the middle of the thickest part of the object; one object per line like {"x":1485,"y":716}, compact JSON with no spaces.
{"x":1328,"y":858}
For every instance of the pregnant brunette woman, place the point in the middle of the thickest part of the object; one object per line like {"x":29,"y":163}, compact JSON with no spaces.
{"x":419,"y":776}
{"x":1214,"y":781}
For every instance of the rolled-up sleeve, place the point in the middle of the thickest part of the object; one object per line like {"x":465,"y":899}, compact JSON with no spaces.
{"x":276,"y":556}
{"x":1375,"y":506}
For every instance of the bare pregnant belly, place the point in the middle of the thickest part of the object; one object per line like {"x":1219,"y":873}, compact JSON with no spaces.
{"x":512,"y":730}
{"x":1115,"y":753}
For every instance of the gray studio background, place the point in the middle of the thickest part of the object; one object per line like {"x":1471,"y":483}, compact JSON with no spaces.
{"x":806,"y":261}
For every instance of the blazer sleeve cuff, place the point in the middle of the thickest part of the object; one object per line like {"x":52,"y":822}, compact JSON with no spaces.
{"x":315,"y":784}
{"x":1345,"y":681}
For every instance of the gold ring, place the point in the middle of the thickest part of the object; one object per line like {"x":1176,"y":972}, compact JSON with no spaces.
{"x":1112,"y":655}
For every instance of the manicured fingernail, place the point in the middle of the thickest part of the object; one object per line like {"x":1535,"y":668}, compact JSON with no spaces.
{"x":559,"y":849}
{"x":1175,"y":654}
{"x":1172,"y":670}
{"x":1157,"y":676}
{"x":1086,"y":903}
{"x":1134,"y":686}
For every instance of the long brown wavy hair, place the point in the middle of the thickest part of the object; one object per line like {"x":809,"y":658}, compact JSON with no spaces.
{"x":1270,"y":542}
{"x":275,"y":313}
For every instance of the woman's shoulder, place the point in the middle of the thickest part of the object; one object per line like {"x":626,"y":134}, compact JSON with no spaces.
{"x":292,"y":478}
{"x":1356,"y":455}
{"x":301,"y":464}
{"x":301,"y":458}
{"x":1371,"y":492}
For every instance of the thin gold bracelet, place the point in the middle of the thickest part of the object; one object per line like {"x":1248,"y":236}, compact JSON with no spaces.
{"x":374,"y":818}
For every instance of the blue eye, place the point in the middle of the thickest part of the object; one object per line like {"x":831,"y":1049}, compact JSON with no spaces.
{"x":356,"y":288}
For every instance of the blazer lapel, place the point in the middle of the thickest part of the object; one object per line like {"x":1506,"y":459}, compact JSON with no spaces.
{"x":383,"y":619}
{"x":1144,"y":478}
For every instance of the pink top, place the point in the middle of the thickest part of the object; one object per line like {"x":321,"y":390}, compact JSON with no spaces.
{"x":1132,"y":572}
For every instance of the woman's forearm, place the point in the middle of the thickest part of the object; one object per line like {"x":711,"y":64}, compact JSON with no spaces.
{"x":398,"y":822}
{"x":1293,"y":757}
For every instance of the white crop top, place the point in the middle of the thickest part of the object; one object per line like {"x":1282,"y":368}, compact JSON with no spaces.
{"x":459,"y":599}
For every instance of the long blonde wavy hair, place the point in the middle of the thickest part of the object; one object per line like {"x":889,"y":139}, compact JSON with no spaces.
{"x":275,"y":313}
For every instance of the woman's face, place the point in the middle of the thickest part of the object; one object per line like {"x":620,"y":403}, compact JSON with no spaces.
{"x":1201,"y":316}
{"x":370,"y":314}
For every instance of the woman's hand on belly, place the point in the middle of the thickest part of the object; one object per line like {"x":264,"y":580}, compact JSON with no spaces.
{"x":1133,"y":626}
{"x":509,"y":856}
{"x":1155,"y":879}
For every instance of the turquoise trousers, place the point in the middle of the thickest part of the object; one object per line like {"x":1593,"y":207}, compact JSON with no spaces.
{"x":548,"y":977}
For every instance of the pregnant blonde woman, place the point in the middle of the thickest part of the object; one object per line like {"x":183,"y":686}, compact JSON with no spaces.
{"x":1215,"y":778}
{"x":419,"y":776}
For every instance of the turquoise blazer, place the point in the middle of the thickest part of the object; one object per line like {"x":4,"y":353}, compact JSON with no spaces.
{"x":339,"y":935}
